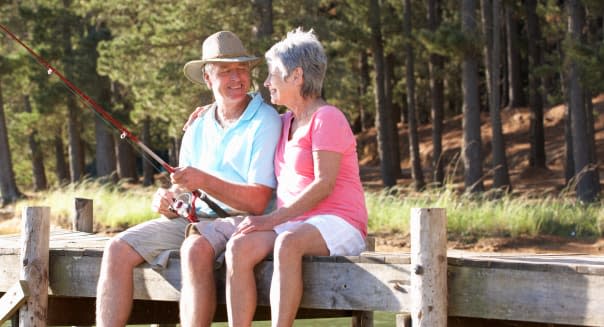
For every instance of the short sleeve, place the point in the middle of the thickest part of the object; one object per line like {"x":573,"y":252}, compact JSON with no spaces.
{"x":330,"y":131}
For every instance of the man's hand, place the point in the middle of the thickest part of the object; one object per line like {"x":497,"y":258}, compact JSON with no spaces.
{"x":162,"y":200}
{"x":194,"y":115}
{"x":186,"y":178}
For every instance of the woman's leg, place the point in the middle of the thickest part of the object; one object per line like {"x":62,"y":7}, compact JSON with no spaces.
{"x":243,"y":253}
{"x":286,"y":284}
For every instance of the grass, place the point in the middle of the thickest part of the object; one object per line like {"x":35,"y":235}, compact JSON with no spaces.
{"x":114,"y":206}
{"x":482,"y":215}
{"x":469,"y":216}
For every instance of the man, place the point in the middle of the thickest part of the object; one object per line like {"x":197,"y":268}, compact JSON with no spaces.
{"x":227,"y":152}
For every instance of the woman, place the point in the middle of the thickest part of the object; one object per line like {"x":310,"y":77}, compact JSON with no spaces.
{"x":320,"y":202}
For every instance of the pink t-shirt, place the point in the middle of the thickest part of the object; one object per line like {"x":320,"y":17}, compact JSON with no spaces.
{"x":328,"y":130}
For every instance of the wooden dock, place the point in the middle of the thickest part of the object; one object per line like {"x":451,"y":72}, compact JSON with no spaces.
{"x":554,"y":289}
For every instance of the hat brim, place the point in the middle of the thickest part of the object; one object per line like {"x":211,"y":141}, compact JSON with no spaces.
{"x":194,"y":73}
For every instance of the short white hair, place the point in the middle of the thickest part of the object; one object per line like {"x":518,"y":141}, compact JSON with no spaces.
{"x":301,"y":49}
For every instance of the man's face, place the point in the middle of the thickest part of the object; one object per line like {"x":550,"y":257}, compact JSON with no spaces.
{"x":228,"y":81}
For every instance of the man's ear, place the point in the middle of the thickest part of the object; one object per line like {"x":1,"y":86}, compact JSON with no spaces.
{"x":206,"y":79}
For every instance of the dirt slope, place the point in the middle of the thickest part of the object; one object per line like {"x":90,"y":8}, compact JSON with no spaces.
{"x":525,"y":180}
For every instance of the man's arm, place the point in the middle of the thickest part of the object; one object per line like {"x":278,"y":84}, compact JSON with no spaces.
{"x":251,"y":198}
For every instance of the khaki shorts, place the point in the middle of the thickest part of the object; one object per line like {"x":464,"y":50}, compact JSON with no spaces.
{"x":155,"y":239}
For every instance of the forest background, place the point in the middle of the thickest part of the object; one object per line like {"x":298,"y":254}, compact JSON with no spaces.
{"x":452,"y":69}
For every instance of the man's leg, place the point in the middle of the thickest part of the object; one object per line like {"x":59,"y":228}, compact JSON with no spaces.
{"x":286,"y":284}
{"x":198,"y":294}
{"x":115,"y":287}
{"x":243,"y":253}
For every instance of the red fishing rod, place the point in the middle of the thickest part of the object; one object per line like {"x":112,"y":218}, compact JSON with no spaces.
{"x":179,"y":206}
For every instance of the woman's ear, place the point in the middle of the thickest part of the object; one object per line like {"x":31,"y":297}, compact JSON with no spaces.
{"x":298,"y":75}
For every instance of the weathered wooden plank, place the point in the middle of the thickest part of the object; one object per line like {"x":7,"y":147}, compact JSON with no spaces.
{"x":12,"y":300}
{"x":429,"y":264}
{"x":64,"y":311}
{"x":348,"y":286}
{"x":547,"y":288}
{"x":562,"y":297}
{"x":328,"y":285}
{"x":581,"y":264}
{"x":34,"y":264}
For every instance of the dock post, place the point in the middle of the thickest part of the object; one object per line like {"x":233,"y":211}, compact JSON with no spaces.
{"x":403,"y":320}
{"x":35,"y":236}
{"x":428,"y":229}
{"x":82,"y":215}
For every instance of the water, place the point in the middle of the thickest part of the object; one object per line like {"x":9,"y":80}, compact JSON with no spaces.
{"x":380,"y":319}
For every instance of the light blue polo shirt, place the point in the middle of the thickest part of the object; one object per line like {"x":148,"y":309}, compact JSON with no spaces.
{"x":241,"y":153}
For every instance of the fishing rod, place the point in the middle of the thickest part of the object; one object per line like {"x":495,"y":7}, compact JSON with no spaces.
{"x":181,"y":205}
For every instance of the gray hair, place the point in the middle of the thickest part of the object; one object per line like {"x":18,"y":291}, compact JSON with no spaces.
{"x":301,"y":49}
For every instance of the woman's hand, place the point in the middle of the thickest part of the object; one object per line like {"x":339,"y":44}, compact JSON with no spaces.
{"x":254,"y":223}
{"x":194,"y":115}
{"x":161,"y":202}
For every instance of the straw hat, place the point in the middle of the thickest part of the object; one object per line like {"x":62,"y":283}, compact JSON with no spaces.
{"x":223,"y":46}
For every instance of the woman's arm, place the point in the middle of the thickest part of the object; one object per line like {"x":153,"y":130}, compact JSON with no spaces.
{"x":326,"y":169}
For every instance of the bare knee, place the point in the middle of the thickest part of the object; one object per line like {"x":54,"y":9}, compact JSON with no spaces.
{"x":119,"y":254}
{"x":196,"y":250}
{"x":238,"y":255}
{"x":287,"y":248}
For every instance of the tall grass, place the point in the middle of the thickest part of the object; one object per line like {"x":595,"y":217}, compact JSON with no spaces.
{"x":114,"y":206}
{"x":468,"y":216}
{"x":478,"y":216}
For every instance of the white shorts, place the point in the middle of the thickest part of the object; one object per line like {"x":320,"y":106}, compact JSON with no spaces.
{"x":340,"y":236}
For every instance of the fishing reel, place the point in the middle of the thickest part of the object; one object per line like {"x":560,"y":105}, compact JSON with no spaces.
{"x":183,"y":205}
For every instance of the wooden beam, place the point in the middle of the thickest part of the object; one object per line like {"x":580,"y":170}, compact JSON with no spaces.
{"x":505,"y":293}
{"x":64,"y":311}
{"x":429,"y":267}
{"x":82,"y":219}
{"x":35,"y":234}
{"x":12,"y":300}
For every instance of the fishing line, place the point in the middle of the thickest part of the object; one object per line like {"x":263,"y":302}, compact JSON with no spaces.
{"x":189,"y":208}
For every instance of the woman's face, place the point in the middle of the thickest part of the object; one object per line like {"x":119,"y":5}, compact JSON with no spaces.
{"x":282,"y":90}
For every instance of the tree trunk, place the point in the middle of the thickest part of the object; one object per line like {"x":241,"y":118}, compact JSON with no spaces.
{"x":515,"y":93}
{"x":174,"y":151}
{"x":363,"y":86}
{"x":37,"y":157}
{"x":263,"y":12}
{"x":486,"y":16}
{"x":61,"y":165}
{"x":472,"y":144}
{"x":501,"y":177}
{"x":585,"y":174}
{"x":262,"y":30}
{"x":383,"y":121}
{"x":104,"y":149}
{"x":569,"y":168}
{"x":75,"y":144}
{"x":147,"y":165}
{"x":126,"y":161}
{"x":414,"y":153}
{"x":537,"y":155}
{"x":8,"y":187}
{"x":395,"y":112}
{"x":435,"y":67}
